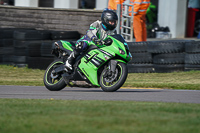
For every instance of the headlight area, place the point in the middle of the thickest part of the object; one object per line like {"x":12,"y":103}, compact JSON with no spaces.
{"x":121,"y":51}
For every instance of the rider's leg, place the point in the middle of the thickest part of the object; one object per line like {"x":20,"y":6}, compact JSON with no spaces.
{"x":71,"y":59}
{"x":80,"y":46}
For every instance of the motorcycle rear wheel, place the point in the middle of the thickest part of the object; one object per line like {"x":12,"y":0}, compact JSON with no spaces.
{"x":115,"y":81}
{"x":54,"y":82}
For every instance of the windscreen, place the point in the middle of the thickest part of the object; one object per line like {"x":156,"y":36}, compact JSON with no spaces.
{"x":121,"y":39}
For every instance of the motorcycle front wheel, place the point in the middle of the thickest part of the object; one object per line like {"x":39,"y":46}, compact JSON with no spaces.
{"x":112,"y":82}
{"x":54,"y":82}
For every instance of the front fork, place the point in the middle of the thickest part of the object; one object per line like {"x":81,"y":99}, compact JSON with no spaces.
{"x":111,"y":68}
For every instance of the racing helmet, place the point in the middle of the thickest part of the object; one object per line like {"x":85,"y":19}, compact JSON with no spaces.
{"x":109,"y":19}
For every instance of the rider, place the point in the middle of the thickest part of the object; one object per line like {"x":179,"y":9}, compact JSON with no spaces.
{"x":99,"y":30}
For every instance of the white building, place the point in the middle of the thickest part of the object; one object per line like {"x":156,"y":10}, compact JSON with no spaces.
{"x":171,"y":13}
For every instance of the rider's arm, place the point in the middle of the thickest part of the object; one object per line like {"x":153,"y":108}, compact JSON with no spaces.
{"x":92,"y":32}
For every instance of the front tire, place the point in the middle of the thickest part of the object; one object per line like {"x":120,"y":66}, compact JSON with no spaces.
{"x":116,"y":80}
{"x":54,"y":82}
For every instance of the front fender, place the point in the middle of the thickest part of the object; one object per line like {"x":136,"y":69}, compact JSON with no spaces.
{"x":121,"y":61}
{"x":113,"y":64}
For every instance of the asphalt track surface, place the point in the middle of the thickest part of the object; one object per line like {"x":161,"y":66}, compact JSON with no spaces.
{"x":123,"y":94}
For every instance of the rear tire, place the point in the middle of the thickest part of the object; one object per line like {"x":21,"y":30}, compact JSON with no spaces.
{"x":55,"y":82}
{"x":114,"y":82}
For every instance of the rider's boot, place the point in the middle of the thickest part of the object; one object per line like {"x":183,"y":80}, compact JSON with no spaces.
{"x":75,"y":53}
{"x":71,"y":60}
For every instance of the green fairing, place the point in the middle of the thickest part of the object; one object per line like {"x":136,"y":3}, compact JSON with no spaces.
{"x":90,"y":70}
{"x":116,"y":50}
{"x":103,"y":65}
{"x":66,"y":45}
{"x":121,"y":61}
{"x":96,"y":58}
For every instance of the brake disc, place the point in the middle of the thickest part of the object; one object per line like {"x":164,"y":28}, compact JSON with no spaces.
{"x":112,"y":77}
{"x":53,"y":76}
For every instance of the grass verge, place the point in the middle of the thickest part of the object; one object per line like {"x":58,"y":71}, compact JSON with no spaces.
{"x":71,"y":116}
{"x":10,"y":75}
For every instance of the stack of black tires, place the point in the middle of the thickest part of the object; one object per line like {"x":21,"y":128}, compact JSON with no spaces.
{"x":40,"y":52}
{"x":6,"y":46}
{"x":168,"y":56}
{"x":22,"y":39}
{"x":192,"y":56}
{"x":164,"y":56}
{"x":142,"y":61}
{"x":30,"y":47}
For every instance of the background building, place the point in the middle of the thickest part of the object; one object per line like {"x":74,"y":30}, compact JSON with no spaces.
{"x":171,"y":13}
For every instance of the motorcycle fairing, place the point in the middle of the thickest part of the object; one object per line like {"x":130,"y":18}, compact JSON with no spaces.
{"x":95,"y":58}
{"x":67,"y":45}
{"x":92,"y":61}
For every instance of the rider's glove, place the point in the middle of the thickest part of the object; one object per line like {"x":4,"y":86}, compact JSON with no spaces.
{"x":97,"y":41}
{"x":108,"y":42}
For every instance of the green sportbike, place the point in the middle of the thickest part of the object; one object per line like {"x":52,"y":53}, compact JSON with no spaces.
{"x":102,"y":66}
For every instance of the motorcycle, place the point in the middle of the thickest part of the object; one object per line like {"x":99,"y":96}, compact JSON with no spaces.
{"x":102,"y":66}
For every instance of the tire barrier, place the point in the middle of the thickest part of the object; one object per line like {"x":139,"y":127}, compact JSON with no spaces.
{"x":192,"y":56}
{"x":30,"y":47}
{"x":141,"y":68}
{"x":165,"y":47}
{"x":32,"y":35}
{"x":39,"y":62}
{"x":34,"y":49}
{"x":164,"y":56}
{"x":167,"y":68}
{"x":46,"y":48}
{"x":6,"y":46}
{"x":7,"y":33}
{"x":59,"y":35}
{"x":141,"y":59}
{"x":170,"y":58}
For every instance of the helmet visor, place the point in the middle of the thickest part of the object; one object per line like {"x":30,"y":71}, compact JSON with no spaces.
{"x":112,"y":22}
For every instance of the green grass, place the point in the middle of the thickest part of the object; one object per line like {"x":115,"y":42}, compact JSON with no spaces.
{"x":76,"y":116}
{"x":10,"y":75}
{"x":71,"y":116}
{"x":176,"y":80}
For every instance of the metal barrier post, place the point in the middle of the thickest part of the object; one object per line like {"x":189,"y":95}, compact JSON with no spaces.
{"x":119,"y":18}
